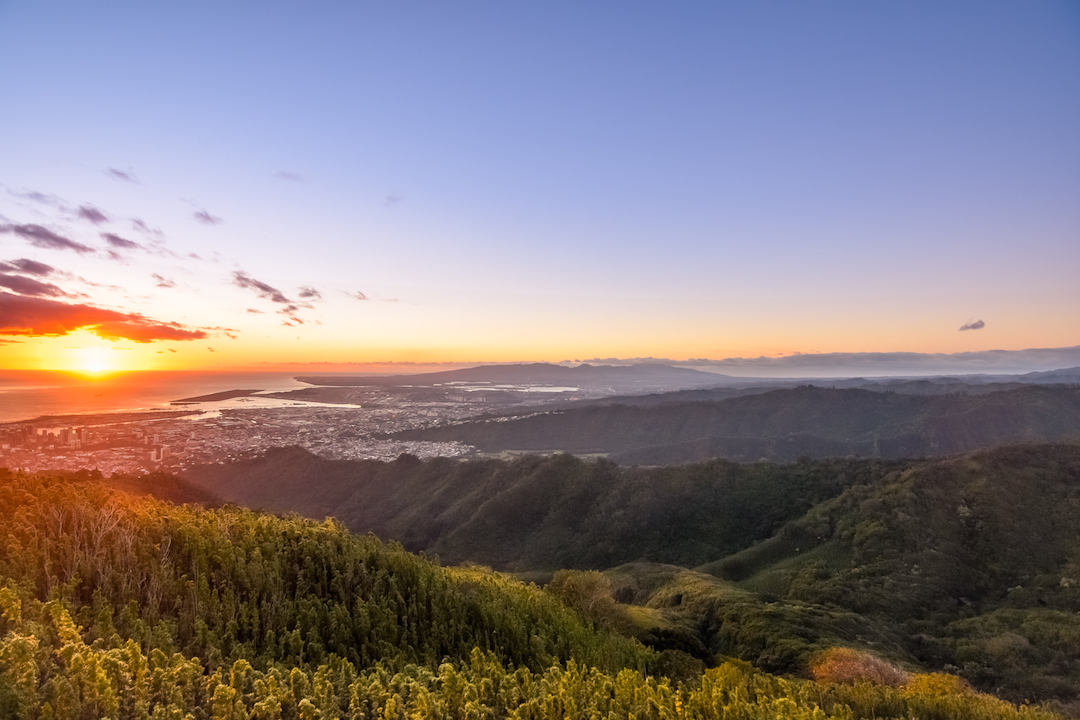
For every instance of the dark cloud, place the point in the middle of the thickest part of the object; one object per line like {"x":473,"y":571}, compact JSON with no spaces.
{"x":118,"y":242}
{"x":41,"y":237}
{"x":92,"y":214}
{"x":29,"y":286}
{"x":289,"y":176}
{"x":39,"y":317}
{"x":121,"y":175}
{"x":308,"y":292}
{"x":358,"y":295}
{"x":163,"y":282}
{"x":265,"y":291}
{"x":977,"y":325}
{"x":206,"y":218}
{"x":25,"y":265}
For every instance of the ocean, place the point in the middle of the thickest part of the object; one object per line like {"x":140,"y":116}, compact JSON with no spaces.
{"x":27,"y":394}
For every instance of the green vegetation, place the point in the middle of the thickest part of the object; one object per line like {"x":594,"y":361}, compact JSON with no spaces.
{"x":975,"y":560}
{"x":545,"y":513}
{"x":116,"y":606}
{"x":969,"y":565}
{"x":230,"y":584}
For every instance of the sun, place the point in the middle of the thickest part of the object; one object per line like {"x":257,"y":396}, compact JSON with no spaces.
{"x":94,"y":361}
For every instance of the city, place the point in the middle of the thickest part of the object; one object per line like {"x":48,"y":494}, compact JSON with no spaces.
{"x":211,"y":432}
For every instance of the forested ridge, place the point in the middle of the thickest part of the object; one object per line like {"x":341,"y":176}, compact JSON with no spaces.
{"x":115,"y":605}
{"x":967,"y":564}
{"x":544,"y":513}
{"x":783,"y":425}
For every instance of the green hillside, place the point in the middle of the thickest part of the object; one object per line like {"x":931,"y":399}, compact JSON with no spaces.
{"x":118,"y":606}
{"x":783,"y":425}
{"x":976,"y":559}
{"x":968,"y":564}
{"x":544,"y":513}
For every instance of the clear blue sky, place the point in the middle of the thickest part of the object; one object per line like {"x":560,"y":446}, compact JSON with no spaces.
{"x":512,"y":181}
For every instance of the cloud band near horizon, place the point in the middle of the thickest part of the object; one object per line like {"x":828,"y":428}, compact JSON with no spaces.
{"x":39,"y":317}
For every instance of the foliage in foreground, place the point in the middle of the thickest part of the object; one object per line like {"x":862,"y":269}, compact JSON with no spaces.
{"x":231,"y":584}
{"x":47,"y":670}
{"x":114,"y":607}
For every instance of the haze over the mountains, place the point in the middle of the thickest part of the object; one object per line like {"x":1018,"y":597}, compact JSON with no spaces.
{"x":783,"y":425}
{"x":875,"y":364}
{"x":987,"y":366}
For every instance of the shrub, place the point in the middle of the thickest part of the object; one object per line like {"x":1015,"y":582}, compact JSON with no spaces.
{"x":849,"y":666}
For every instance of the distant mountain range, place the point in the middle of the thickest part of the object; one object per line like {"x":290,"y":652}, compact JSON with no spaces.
{"x":644,"y":376}
{"x":784,"y":425}
{"x":877,"y":364}
{"x":627,"y":377}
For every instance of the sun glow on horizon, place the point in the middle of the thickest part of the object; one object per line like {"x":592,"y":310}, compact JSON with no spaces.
{"x":94,"y":361}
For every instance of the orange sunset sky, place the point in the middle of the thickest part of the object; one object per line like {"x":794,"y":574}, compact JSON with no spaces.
{"x":242,"y":186}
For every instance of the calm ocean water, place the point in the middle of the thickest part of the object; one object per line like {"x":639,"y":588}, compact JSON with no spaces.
{"x":27,"y":394}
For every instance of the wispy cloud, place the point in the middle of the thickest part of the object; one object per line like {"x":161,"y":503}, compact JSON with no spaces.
{"x":142,"y":227}
{"x":91,"y":214}
{"x":393,"y":199}
{"x":977,"y":325}
{"x":309,"y":293}
{"x":267,"y":292}
{"x":41,"y":237}
{"x":162,"y":281}
{"x":126,"y":176}
{"x":289,"y":176}
{"x":38,"y":197}
{"x":358,"y":295}
{"x":28,"y":266}
{"x":253,"y":311}
{"x":29,"y":286}
{"x":118,"y":242}
{"x":39,"y":317}
{"x":206,"y":218}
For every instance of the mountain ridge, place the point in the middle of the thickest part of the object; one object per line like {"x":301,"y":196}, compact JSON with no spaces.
{"x":829,"y":422}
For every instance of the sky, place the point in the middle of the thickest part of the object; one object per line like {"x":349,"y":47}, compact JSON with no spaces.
{"x":243,"y":185}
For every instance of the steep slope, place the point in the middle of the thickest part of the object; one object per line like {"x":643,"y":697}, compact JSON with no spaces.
{"x":229,"y":584}
{"x":934,"y":536}
{"x":118,"y":606}
{"x":969,"y":564}
{"x":544,"y":513}
{"x":976,"y":557}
